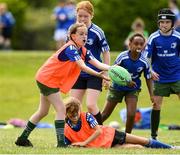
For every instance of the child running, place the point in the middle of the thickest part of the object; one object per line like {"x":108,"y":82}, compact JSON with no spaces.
{"x":136,"y":65}
{"x":58,"y":74}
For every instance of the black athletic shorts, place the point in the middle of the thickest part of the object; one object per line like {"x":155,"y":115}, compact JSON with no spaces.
{"x":119,"y":138}
{"x":7,"y":32}
{"x":45,"y":90}
{"x":91,"y":82}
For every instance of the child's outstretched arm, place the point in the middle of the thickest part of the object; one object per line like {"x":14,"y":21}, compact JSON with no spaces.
{"x":99,"y":64}
{"x":92,"y":137}
{"x":88,"y":70}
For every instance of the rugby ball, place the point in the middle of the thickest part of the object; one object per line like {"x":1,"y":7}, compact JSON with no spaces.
{"x":119,"y":75}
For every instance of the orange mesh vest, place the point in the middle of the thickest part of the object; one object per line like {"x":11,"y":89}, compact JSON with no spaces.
{"x":104,"y":140}
{"x":59,"y":74}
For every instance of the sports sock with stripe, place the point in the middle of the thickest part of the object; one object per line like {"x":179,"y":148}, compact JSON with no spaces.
{"x":155,"y":119}
{"x":28,"y":129}
{"x":59,"y":125}
{"x":98,"y":117}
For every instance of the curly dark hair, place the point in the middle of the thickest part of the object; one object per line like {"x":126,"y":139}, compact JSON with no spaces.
{"x":137,"y":35}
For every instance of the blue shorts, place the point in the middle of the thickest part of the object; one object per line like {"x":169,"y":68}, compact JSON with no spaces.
{"x":91,"y":82}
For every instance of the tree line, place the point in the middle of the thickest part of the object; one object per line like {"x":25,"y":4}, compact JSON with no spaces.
{"x":34,"y":28}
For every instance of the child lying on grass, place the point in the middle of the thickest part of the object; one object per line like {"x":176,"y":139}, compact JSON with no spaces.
{"x":82,"y":130}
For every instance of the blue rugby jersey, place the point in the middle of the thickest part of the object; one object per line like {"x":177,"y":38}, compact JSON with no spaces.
{"x":73,"y":54}
{"x":7,"y":19}
{"x":96,"y":44}
{"x":60,"y":11}
{"x":71,"y":15}
{"x":164,"y":52}
{"x":134,"y":67}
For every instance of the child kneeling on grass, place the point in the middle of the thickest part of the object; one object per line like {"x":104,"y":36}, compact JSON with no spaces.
{"x":82,"y":130}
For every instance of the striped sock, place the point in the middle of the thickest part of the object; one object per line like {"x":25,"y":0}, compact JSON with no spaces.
{"x":98,"y":117}
{"x":28,"y":129}
{"x":59,"y":125}
{"x":155,"y":119}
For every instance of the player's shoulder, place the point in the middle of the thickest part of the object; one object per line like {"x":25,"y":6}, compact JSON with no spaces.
{"x":123,"y":54}
{"x":176,"y":34}
{"x":72,"y":47}
{"x":153,"y":36}
{"x":96,"y":30}
{"x":9,"y":14}
{"x":144,"y":59}
{"x":96,"y":27}
{"x":156,"y":33}
{"x":56,"y":9}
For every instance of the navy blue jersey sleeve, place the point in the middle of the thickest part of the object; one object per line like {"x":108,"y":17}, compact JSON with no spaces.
{"x":72,"y":53}
{"x":91,"y":120}
{"x":55,"y":10}
{"x":8,"y":19}
{"x":102,"y":42}
{"x":178,"y":47}
{"x":123,"y":55}
{"x":147,"y":70}
{"x":118,"y":60}
{"x":89,"y":56}
{"x":150,"y":47}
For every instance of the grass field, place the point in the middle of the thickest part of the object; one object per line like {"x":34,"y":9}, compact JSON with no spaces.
{"x":19,"y":98}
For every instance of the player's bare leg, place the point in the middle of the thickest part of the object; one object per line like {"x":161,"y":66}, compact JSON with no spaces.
{"x":92,"y":104}
{"x":131,"y":104}
{"x":108,"y":109}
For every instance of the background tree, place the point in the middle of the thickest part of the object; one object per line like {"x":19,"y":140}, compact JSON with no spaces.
{"x":116,"y":16}
{"x":34,"y":29}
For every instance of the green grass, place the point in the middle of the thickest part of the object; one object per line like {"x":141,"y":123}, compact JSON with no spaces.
{"x":19,"y":98}
{"x":44,"y":143}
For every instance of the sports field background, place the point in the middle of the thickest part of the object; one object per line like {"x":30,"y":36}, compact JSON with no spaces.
{"x":19,"y":98}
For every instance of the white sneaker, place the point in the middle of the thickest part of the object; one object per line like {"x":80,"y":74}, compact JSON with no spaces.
{"x":176,"y":147}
